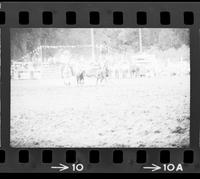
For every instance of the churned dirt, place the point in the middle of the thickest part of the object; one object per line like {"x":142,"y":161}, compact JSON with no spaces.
{"x":140,"y":112}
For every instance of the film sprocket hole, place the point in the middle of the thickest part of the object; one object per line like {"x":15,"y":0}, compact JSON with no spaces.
{"x":100,"y":87}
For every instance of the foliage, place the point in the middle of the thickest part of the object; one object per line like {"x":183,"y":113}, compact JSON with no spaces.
{"x":120,"y":40}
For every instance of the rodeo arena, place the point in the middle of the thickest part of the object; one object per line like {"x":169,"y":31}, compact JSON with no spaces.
{"x":95,"y":96}
{"x":35,"y":66}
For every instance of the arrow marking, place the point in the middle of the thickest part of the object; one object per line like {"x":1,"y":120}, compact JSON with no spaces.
{"x":61,"y":168}
{"x":153,"y":168}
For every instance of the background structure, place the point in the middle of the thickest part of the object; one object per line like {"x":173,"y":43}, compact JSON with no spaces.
{"x":144,"y":101}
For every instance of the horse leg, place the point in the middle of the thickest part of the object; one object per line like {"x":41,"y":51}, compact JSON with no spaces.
{"x":77,"y":80}
{"x":97,"y":81}
{"x":101,"y":80}
{"x":82,"y":81}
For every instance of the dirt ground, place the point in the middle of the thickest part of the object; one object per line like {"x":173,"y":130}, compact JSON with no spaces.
{"x":140,"y":112}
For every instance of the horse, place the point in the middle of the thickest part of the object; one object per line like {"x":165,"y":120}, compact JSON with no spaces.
{"x":135,"y":71}
{"x":80,"y":73}
{"x":80,"y":77}
{"x":102,"y":75}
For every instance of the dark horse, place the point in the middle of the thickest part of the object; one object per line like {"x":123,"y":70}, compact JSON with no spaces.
{"x":100,"y":74}
{"x":80,"y":77}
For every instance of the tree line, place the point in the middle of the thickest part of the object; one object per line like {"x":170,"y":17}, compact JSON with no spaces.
{"x":25,"y":40}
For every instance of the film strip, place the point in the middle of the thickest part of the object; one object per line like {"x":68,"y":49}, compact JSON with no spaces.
{"x":100,"y":87}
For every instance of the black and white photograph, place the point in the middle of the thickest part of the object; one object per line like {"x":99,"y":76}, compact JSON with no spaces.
{"x":100,"y":87}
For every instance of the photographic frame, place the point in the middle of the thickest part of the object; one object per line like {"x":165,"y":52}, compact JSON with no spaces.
{"x":130,"y":155}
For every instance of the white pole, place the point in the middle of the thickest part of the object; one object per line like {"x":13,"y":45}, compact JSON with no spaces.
{"x":140,"y":40}
{"x":101,"y":47}
{"x":41,"y":61}
{"x":92,"y":43}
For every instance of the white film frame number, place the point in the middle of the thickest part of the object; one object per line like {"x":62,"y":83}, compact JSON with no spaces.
{"x":77,"y":167}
